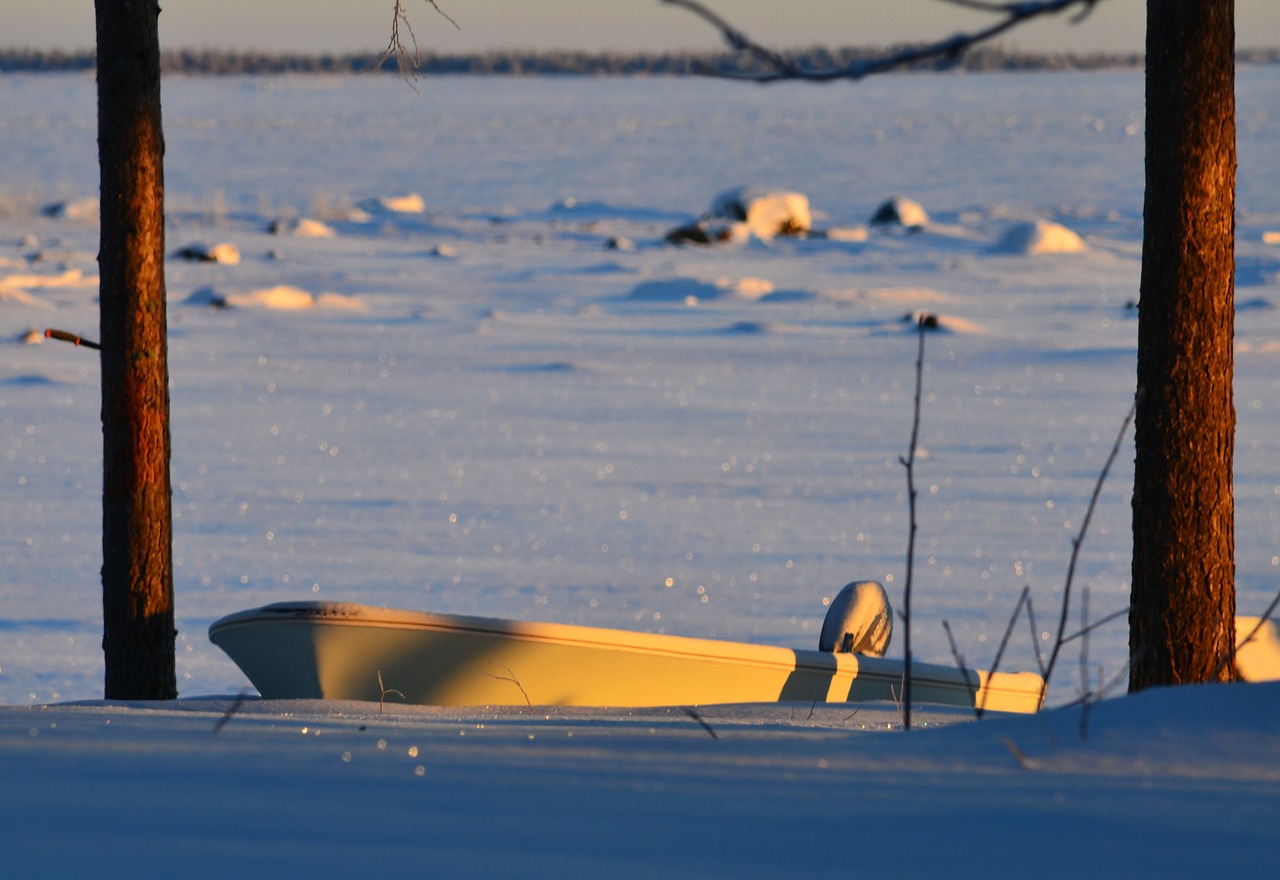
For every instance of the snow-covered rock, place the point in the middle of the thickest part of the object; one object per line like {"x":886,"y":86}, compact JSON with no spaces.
{"x":302,"y":227}
{"x":767,"y":212}
{"x":1041,"y":237}
{"x":409,"y":203}
{"x":900,"y":212}
{"x":740,"y":213}
{"x":224,"y":252}
{"x":83,"y":209}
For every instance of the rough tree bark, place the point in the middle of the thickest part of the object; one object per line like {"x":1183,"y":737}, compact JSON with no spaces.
{"x":1182,"y":617}
{"x":137,"y":568}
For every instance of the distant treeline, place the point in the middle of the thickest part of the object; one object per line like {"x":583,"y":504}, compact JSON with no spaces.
{"x":214,"y":62}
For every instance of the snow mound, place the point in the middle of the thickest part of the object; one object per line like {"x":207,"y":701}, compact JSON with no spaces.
{"x":409,"y":203}
{"x":14,"y":288}
{"x":746,"y":288}
{"x":83,"y":209}
{"x":225,"y":252}
{"x":282,"y":297}
{"x":689,"y":291}
{"x":908,"y":295}
{"x":900,"y":212}
{"x":1041,"y":237}
{"x":302,"y":228}
{"x":845,"y":233}
{"x":692,"y":291}
{"x":22,"y":298}
{"x":740,"y":213}
{"x":757,"y":328}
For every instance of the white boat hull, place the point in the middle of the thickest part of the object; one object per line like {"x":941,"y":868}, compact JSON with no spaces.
{"x":344,"y":651}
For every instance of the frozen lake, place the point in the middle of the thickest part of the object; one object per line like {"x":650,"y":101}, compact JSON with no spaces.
{"x":498,"y":413}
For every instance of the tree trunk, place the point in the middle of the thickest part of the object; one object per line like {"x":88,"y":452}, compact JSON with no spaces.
{"x":1182,"y":617}
{"x":137,"y":562}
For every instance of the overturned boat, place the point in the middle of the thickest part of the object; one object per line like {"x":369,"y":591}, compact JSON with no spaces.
{"x":346,"y":651}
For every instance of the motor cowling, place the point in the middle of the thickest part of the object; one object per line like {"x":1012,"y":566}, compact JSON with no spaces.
{"x":859,"y":621}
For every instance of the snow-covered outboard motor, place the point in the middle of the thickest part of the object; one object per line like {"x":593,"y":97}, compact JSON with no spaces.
{"x":859,"y":621}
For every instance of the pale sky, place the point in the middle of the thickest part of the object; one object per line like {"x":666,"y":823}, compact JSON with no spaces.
{"x":363,"y":25}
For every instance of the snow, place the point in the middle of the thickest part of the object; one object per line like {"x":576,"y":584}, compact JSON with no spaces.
{"x":223,"y":252}
{"x":1041,"y":237}
{"x":303,"y":227}
{"x":1171,"y":784}
{"x":519,"y":417}
{"x":903,"y":212}
{"x":766,"y":212}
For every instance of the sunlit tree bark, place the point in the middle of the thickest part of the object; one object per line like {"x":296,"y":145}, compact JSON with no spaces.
{"x":1182,"y":615}
{"x":137,"y":567}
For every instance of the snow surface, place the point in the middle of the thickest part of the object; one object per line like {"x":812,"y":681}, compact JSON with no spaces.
{"x":1164,"y":784}
{"x":515,"y":415}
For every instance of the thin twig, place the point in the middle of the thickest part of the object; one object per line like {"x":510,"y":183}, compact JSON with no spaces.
{"x":692,"y":713}
{"x":511,"y":677}
{"x":1035,"y":635}
{"x":964,"y":670}
{"x":1084,"y":643}
{"x":1027,"y":763}
{"x":1100,"y":622}
{"x":909,"y":463}
{"x":778,"y":67}
{"x":1108,"y":688}
{"x":231,"y":710}
{"x":1024,"y":599}
{"x":1078,"y":541}
{"x":407,"y":59}
{"x":386,"y":690}
{"x":1231,"y":656}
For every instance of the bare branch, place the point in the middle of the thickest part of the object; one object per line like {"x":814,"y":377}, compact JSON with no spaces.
{"x":407,"y":56}
{"x":1079,"y":540}
{"x":1024,"y":599}
{"x":1084,"y":643}
{"x":909,"y":463}
{"x":964,"y":671}
{"x":382,"y":699}
{"x":231,"y":710}
{"x":1006,"y":8}
{"x":1115,"y":615}
{"x":693,"y":713}
{"x":511,"y":677}
{"x":51,"y":333}
{"x":778,"y":67}
{"x":1035,"y":635}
